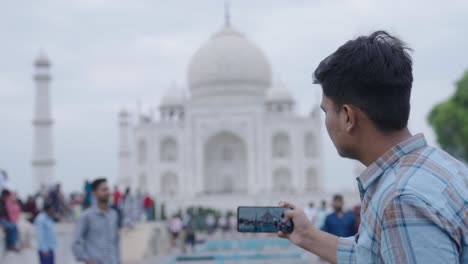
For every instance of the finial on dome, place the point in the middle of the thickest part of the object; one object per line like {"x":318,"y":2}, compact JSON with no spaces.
{"x":227,"y":16}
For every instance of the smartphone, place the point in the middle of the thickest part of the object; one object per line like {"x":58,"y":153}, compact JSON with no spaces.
{"x":262,"y":220}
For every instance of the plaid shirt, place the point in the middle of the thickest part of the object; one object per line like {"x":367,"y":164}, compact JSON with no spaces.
{"x":414,"y":208}
{"x":97,"y":237}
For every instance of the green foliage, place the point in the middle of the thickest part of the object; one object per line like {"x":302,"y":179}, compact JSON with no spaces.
{"x":450,"y":121}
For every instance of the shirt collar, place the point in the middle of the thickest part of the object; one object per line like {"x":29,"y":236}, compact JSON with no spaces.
{"x":375,"y":170}
{"x":98,"y":210}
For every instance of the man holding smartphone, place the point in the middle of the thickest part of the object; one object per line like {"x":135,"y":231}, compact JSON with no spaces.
{"x":413,"y":196}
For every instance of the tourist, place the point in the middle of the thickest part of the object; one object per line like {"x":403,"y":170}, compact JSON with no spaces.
{"x":311,"y":212}
{"x":30,"y":207}
{"x":413,"y":196}
{"x":175,"y":227}
{"x":339,"y":223}
{"x":128,"y":209}
{"x":189,"y":228}
{"x":117,"y":196}
{"x":87,"y":200}
{"x":97,"y":234}
{"x":137,"y":206}
{"x":322,"y":213}
{"x":54,"y":198}
{"x":148,"y":206}
{"x":13,"y":208}
{"x":210,"y":223}
{"x":10,"y":228}
{"x":45,"y":234}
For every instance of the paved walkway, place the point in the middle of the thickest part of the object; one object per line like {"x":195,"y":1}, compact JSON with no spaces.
{"x":133,"y":242}
{"x":139,"y":246}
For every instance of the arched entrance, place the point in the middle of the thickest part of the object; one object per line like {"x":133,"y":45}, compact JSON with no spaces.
{"x":225,"y":164}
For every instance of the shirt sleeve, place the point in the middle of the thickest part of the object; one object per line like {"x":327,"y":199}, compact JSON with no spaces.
{"x":346,"y":250}
{"x":78,"y":248}
{"x":413,"y":232}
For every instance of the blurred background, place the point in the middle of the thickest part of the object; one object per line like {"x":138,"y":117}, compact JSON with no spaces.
{"x":201,"y":106}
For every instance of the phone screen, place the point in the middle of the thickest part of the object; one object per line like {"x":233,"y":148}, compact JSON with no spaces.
{"x":262,"y":219}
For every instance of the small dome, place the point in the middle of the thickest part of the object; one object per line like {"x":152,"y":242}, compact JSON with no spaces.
{"x":279,"y":93}
{"x":174,"y":97}
{"x":229,"y":64}
{"x":42,"y":60}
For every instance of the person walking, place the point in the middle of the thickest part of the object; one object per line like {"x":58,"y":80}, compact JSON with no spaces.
{"x":46,"y":235}
{"x":96,"y":239}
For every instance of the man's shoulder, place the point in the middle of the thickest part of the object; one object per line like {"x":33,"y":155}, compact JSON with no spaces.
{"x":86,"y":213}
{"x":39,"y":218}
{"x":429,"y":170}
{"x":429,"y":175}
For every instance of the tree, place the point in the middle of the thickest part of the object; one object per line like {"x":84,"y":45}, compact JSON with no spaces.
{"x":450,"y":121}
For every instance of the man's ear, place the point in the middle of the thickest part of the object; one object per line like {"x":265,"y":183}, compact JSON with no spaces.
{"x":350,"y":116}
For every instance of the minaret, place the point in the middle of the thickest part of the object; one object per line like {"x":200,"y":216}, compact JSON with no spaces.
{"x":43,"y":162}
{"x":124,"y":150}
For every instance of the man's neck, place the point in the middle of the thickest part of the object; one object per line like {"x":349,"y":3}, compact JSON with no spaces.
{"x":102,"y":206}
{"x":377,"y":144}
{"x":339,"y":213}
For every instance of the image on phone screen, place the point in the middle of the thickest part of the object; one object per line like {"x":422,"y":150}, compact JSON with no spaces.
{"x":261,"y":219}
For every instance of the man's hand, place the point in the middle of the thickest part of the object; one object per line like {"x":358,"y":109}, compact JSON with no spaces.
{"x":302,"y":226}
{"x":45,"y":253}
{"x":307,"y":236}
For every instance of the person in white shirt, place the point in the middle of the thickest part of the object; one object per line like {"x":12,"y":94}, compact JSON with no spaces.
{"x":311,"y":212}
{"x":322,"y":213}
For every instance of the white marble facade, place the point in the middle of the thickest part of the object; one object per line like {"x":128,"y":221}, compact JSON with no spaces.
{"x":236,"y":134}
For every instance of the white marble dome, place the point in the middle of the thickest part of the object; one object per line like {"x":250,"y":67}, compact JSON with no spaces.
{"x":229,"y":64}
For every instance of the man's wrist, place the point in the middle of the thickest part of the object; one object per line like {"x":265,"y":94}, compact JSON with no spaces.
{"x":307,"y":237}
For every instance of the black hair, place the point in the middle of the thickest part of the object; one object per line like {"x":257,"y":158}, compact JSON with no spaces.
{"x":337,"y":197}
{"x":5,"y":193}
{"x":96,"y":183}
{"x":373,"y":73}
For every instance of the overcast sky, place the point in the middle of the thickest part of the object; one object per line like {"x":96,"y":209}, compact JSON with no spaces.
{"x":110,"y":54}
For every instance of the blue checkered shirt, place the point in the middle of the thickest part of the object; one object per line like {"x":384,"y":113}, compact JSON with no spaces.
{"x":413,"y":210}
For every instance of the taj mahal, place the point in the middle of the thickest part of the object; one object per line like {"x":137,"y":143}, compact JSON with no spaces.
{"x":233,"y":137}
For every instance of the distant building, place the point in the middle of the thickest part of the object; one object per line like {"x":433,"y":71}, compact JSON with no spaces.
{"x":235,"y":137}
